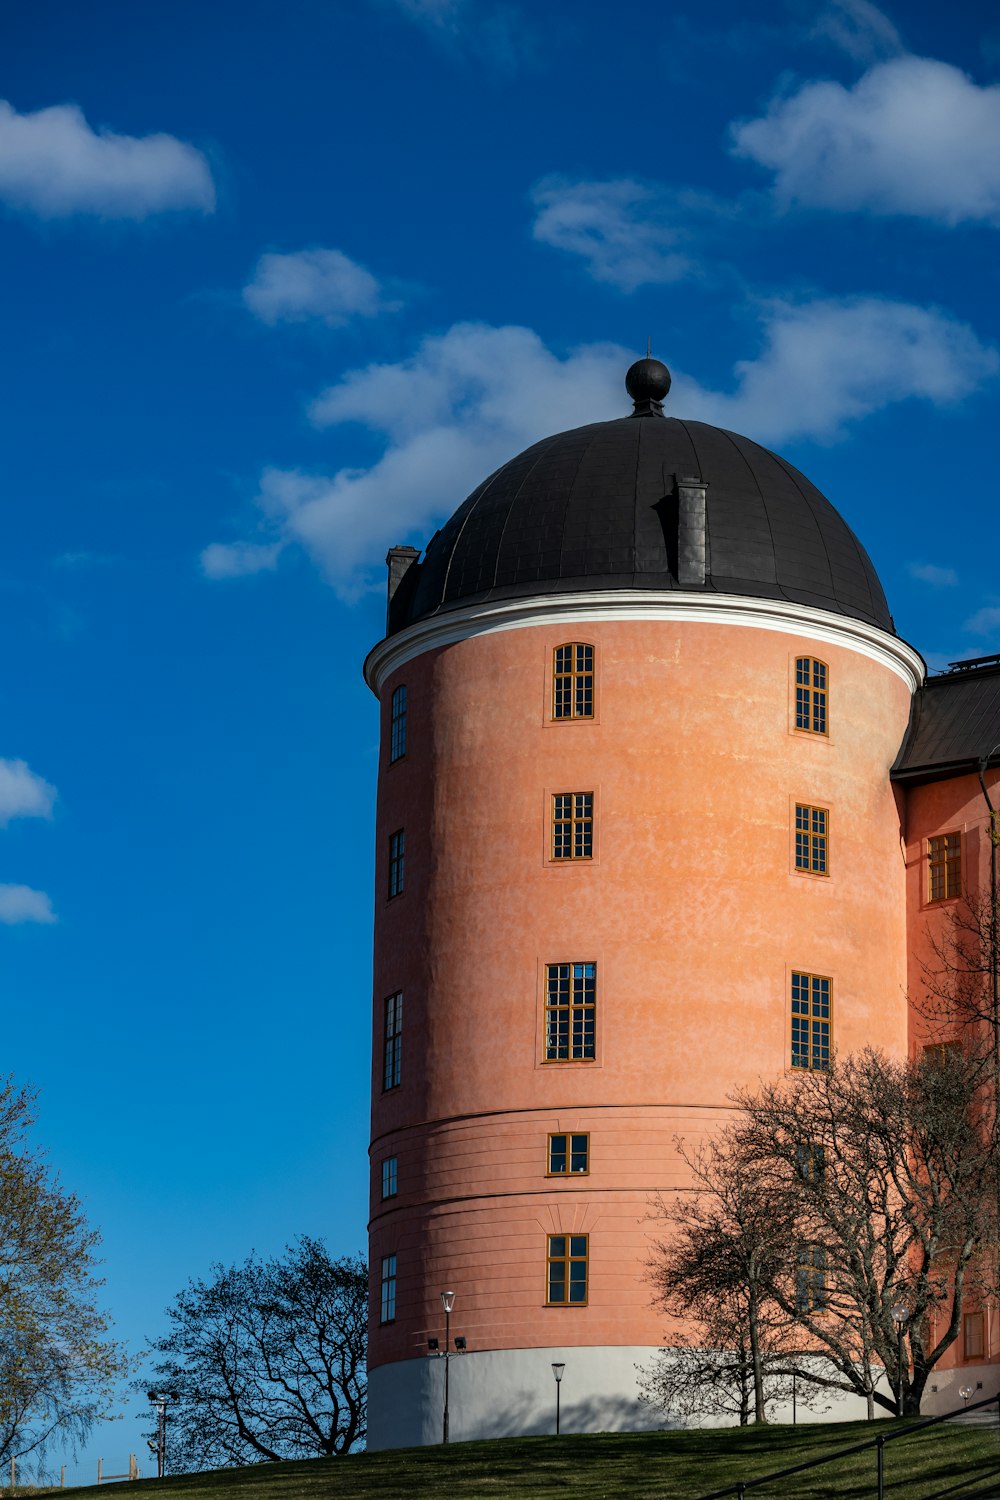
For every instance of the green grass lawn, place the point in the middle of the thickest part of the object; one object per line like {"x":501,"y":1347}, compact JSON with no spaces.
{"x":660,"y":1466}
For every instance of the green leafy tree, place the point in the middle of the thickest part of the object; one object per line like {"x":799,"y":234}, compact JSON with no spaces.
{"x":58,"y":1366}
{"x":267,"y":1360}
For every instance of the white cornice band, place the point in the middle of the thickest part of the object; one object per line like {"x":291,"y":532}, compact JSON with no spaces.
{"x":671,"y":607}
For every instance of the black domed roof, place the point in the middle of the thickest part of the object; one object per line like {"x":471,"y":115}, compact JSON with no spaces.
{"x":598,"y":508}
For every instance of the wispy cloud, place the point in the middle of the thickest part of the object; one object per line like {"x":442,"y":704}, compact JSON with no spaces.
{"x":497,"y":34}
{"x":858,"y":28}
{"x":314,"y":286}
{"x":985,"y":621}
{"x":471,"y":398}
{"x":19,"y":903}
{"x":913,"y":136}
{"x":22,"y":793}
{"x":628,"y":233}
{"x":938,"y":578}
{"x":53,"y":164}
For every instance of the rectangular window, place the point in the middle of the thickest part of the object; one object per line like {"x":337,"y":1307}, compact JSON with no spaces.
{"x":567,"y":1270}
{"x":573,"y":825}
{"x":810,"y":695}
{"x":388,"y":1289}
{"x":569,"y":1154}
{"x":392,"y":1054}
{"x":389,"y":1177}
{"x":973,"y":1345}
{"x":810,"y":1279}
{"x":573,"y":681}
{"x":570,"y":1004}
{"x":944,"y":859}
{"x":397,"y":734}
{"x":812,"y":839}
{"x":397,"y":862}
{"x":810,"y":1162}
{"x":810,"y":1021}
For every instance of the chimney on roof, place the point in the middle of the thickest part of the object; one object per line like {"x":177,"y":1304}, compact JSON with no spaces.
{"x":692,"y":532}
{"x":399,"y":560}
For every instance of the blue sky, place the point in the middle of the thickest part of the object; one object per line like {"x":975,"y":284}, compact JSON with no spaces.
{"x":280,"y":283}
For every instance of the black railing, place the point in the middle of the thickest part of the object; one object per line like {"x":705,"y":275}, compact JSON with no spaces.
{"x":741,"y":1487}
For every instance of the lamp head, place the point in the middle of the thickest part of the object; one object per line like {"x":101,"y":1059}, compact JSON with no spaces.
{"x":557,"y":1370}
{"x":447,"y":1301}
{"x":900,"y":1313}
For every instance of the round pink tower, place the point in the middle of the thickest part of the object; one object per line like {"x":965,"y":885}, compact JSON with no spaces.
{"x":636,"y":847}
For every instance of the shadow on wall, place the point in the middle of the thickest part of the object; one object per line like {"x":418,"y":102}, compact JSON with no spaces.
{"x":522,"y":1417}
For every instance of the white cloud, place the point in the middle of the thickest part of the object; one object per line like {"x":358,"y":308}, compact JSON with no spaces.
{"x":19,"y":903}
{"x":22,"y":793}
{"x":829,"y":362}
{"x":53,"y":164}
{"x":496,"y":34}
{"x":473,"y":397}
{"x":913,"y":136}
{"x":325,"y":285}
{"x":938,"y":578}
{"x":629,"y":233}
{"x":239,"y":559}
{"x":858,"y":28}
{"x":985,"y":621}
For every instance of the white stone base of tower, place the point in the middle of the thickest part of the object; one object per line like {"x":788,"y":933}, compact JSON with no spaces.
{"x":496,"y":1393}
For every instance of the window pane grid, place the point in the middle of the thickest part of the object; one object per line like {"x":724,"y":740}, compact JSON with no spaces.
{"x":573,"y":825}
{"x":388,"y":1312}
{"x":397,"y":737}
{"x":810,"y":1279}
{"x":567,"y":1270}
{"x":397,"y":862}
{"x":389,"y":1168}
{"x":811,"y":1017}
{"x":812,"y":837}
{"x":944,"y":856}
{"x":570,"y":1006}
{"x":573,"y":681}
{"x":810,"y":695}
{"x":568,"y":1154}
{"x":392,"y":1055}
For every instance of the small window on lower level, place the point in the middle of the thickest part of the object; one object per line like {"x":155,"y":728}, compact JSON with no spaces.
{"x":810,"y":1279}
{"x":973,"y":1330}
{"x":944,"y":865}
{"x":567,"y":1270}
{"x":388,"y":1311}
{"x":569,"y":1155}
{"x":389,"y":1177}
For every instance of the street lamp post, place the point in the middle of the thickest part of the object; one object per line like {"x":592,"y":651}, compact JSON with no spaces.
{"x":900,"y":1313}
{"x":557,"y":1370}
{"x":434,"y":1348}
{"x":159,"y":1400}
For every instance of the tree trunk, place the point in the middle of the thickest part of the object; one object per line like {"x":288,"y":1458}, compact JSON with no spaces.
{"x":759,"y":1414}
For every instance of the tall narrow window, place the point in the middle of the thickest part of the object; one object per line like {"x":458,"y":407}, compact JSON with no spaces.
{"x":810,"y":695}
{"x":567,"y":1270}
{"x":810,"y":1279}
{"x":810,"y":1162}
{"x":392,"y":1049}
{"x":811,"y":1018}
{"x":972,"y":1331}
{"x":389,"y":1167}
{"x":397,"y":731}
{"x":397,"y":862}
{"x":573,"y":681}
{"x":573,"y":825}
{"x":569,"y":1155}
{"x":388,"y":1289}
{"x":812,"y":839}
{"x":570,"y":1005}
{"x":944,"y":860}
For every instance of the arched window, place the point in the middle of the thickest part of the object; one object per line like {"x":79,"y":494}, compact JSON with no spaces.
{"x":811,"y":690}
{"x":573,"y":681}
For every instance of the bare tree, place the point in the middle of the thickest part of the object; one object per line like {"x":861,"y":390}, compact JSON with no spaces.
{"x":268,"y":1360}
{"x":903,"y":1207}
{"x":715,"y":1268}
{"x":58,"y":1367}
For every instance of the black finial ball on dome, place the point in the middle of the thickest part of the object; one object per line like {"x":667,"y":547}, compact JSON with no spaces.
{"x":648,"y":380}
